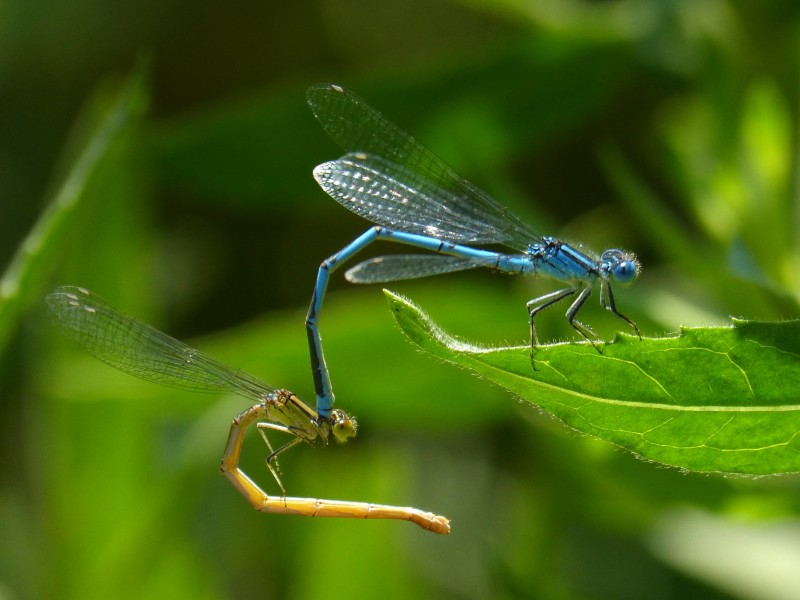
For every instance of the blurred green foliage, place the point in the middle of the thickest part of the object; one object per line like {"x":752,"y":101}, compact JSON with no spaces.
{"x":665,"y":127}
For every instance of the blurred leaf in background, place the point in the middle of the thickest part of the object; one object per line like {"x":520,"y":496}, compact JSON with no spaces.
{"x":669,"y":128}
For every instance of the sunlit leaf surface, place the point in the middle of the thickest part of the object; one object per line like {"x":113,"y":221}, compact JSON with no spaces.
{"x":719,"y":399}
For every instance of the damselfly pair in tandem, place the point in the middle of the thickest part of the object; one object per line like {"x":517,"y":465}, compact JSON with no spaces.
{"x":414,"y":198}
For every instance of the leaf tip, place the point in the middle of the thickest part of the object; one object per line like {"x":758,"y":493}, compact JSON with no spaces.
{"x":398,"y":303}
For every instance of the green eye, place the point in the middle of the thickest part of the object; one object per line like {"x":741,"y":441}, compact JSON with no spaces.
{"x":344,"y":426}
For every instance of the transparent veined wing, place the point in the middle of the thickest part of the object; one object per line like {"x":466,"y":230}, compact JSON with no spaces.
{"x":398,"y":267}
{"x":141,"y":350}
{"x":358,"y":128}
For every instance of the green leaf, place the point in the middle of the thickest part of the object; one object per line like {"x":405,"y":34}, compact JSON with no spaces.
{"x":710,"y":399}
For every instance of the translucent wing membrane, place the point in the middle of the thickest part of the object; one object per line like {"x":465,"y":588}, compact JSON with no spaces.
{"x":382,"y":269}
{"x":359,"y":128}
{"x":141,"y":350}
{"x":390,"y":195}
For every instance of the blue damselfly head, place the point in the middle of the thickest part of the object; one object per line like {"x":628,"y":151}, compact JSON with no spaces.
{"x":622,"y":266}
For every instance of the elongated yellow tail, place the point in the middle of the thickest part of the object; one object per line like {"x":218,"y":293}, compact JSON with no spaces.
{"x":310,"y":507}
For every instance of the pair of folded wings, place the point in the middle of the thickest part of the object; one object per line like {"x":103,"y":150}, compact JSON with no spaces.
{"x":390,"y":179}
